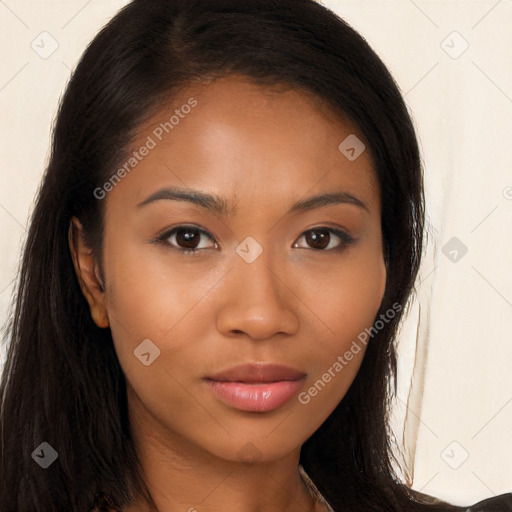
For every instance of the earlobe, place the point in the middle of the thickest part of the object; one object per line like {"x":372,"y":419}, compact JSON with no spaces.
{"x":88,"y":274}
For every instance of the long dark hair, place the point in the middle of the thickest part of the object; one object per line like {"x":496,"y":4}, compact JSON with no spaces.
{"x":62,"y":383}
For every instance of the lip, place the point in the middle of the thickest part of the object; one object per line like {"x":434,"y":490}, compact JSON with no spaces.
{"x":257,"y":373}
{"x":260,"y":387}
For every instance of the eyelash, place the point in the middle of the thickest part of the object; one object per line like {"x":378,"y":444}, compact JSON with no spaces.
{"x":163,"y":239}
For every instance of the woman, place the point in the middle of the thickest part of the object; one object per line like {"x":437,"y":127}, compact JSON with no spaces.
{"x":150,"y":371}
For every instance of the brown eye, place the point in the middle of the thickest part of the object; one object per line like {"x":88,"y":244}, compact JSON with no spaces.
{"x":318,"y":239}
{"x":186,"y":239}
{"x":324,"y":238}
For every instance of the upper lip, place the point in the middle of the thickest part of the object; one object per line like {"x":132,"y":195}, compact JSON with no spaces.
{"x":258,"y":372}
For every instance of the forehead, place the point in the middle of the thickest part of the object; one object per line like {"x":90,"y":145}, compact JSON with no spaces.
{"x":240,"y":139}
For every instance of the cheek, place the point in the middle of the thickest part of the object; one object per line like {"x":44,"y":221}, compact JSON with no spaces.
{"x":149,"y":290}
{"x":346,"y":295}
{"x":145,"y":298}
{"x":152,"y":300}
{"x":346,"y":304}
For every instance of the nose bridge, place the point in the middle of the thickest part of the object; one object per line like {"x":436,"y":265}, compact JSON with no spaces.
{"x":257,"y":301}
{"x":257,"y":270}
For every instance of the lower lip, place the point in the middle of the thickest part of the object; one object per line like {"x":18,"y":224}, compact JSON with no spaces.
{"x":262,"y":397}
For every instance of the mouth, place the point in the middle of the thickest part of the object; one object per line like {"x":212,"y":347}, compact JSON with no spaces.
{"x":257,"y":387}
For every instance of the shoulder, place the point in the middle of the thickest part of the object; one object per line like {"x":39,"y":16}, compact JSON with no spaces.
{"x":501,"y":503}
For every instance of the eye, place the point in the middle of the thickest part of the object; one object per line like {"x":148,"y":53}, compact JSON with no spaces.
{"x":186,"y":239}
{"x":322,"y":239}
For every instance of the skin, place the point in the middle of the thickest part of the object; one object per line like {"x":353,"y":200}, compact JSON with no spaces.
{"x":261,"y":150}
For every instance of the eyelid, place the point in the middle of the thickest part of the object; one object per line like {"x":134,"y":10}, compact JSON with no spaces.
{"x":162,"y":238}
{"x":346,"y":239}
{"x":166,"y":234}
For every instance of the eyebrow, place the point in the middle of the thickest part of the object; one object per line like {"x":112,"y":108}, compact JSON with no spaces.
{"x":216,"y":204}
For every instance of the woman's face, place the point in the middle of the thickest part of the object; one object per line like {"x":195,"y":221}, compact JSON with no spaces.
{"x":277,"y":277}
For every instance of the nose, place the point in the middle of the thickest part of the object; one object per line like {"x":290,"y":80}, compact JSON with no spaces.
{"x":257,"y":301}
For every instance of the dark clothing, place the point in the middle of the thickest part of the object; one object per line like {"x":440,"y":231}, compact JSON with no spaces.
{"x":501,"y":503}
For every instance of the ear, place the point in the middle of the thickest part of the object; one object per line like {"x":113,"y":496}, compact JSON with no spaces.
{"x":88,"y":273}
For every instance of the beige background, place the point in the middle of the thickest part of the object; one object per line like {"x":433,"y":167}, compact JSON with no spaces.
{"x":455,"y":394}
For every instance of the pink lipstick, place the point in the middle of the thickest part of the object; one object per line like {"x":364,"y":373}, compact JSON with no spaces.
{"x":260,"y":387}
